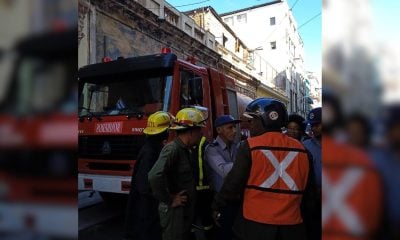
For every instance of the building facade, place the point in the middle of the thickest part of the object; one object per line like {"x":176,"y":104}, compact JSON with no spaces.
{"x":315,"y":92}
{"x":135,"y":28}
{"x":119,"y":28}
{"x":351,"y":57}
{"x":240,"y":58}
{"x":278,"y":45}
{"x":233,"y":51}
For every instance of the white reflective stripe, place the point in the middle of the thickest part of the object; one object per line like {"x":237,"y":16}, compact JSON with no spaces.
{"x":103,"y":183}
{"x":48,"y":219}
{"x":280,"y":170}
{"x":335,"y":196}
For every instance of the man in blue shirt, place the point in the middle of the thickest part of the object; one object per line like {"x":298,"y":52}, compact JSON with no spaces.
{"x":313,"y":145}
{"x":387,"y":160}
{"x":220,"y":156}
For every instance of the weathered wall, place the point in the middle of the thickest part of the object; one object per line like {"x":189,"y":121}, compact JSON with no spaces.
{"x":117,"y":28}
{"x":127,"y":29}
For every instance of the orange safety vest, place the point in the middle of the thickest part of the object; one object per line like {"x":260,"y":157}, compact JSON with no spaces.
{"x":278,"y":178}
{"x":351,"y":193}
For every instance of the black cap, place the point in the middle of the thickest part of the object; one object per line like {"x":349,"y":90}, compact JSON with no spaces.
{"x":314,"y":116}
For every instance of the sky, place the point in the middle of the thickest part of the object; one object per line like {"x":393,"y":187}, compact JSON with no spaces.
{"x":386,"y":18}
{"x":385,"y":22}
{"x":303,"y":11}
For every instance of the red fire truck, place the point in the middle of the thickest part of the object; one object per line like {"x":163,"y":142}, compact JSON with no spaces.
{"x":116,"y":98}
{"x":38,"y":137}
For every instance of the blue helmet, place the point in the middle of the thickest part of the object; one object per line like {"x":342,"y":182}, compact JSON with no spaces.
{"x":272,"y":112}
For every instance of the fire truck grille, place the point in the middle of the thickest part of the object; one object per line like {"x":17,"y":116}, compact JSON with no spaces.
{"x":110,"y":147}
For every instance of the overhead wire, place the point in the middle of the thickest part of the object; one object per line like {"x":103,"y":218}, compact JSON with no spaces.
{"x":184,"y":5}
{"x":306,"y":22}
{"x":190,"y":4}
{"x":309,"y":20}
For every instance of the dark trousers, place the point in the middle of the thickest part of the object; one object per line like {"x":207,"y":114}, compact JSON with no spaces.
{"x":311,"y":213}
{"x":142,"y":219}
{"x":228,"y":216}
{"x":244,"y":229}
{"x":313,"y":223}
{"x":203,"y":214}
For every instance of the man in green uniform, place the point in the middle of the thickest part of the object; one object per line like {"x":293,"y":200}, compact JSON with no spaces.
{"x":171,"y":178}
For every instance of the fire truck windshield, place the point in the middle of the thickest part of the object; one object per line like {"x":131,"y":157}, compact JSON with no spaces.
{"x":125,"y":95}
{"x":40,"y":85}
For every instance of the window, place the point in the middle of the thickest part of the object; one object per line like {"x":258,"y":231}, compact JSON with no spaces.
{"x":188,"y":28}
{"x":291,"y":100}
{"x":123,"y":96}
{"x":191,"y":89}
{"x":242,"y":18}
{"x":237,"y":45}
{"x":211,"y":43}
{"x":41,"y":85}
{"x":272,"y":21}
{"x":198,"y":34}
{"x":229,"y":20}
{"x":171,"y":17}
{"x":233,"y":107}
{"x":224,"y":40}
{"x":234,"y":111}
{"x":273,"y":45}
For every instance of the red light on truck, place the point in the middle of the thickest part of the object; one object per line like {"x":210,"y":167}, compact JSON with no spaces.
{"x":88,"y":183}
{"x":125,"y":186}
{"x":165,"y":50}
{"x":106,"y":59}
{"x":191,"y":59}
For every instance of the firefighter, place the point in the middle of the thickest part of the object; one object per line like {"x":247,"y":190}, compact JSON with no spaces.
{"x":273,"y":172}
{"x":352,"y":187}
{"x":171,"y":177}
{"x":220,"y":156}
{"x":142,"y":220}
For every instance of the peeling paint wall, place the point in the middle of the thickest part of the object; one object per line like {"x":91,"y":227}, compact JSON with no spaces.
{"x":128,"y":29}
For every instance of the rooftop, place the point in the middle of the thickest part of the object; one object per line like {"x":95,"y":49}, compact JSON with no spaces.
{"x":249,"y":8}
{"x":218,"y":17}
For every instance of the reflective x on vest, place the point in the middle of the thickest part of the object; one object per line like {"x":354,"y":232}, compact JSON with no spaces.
{"x":280,"y":170}
{"x":335,"y":196}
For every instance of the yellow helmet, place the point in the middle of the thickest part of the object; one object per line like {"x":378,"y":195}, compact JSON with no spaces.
{"x":189,"y":118}
{"x":157,"y":123}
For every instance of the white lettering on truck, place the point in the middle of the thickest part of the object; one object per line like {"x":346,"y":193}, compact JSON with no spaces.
{"x":109,"y":127}
{"x":137,"y":130}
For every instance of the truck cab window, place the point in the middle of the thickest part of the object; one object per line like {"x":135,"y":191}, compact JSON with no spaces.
{"x":125,"y":95}
{"x":191,"y":89}
{"x":42,"y":85}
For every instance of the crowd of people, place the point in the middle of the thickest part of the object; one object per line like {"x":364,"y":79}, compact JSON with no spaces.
{"x":268,"y":186}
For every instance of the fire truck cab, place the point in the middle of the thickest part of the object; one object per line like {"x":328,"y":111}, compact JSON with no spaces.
{"x":38,"y":137}
{"x":116,"y":98}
